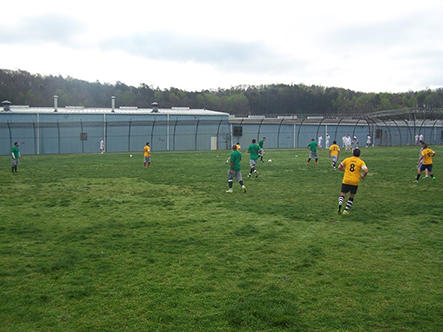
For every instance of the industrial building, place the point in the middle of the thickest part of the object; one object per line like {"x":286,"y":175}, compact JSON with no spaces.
{"x":74,"y":129}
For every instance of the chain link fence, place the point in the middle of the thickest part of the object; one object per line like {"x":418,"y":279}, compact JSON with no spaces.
{"x":82,"y":135}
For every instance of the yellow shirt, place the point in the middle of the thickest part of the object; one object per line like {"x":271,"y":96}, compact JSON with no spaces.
{"x":334,"y":149}
{"x":352,"y":166}
{"x":147,"y":151}
{"x":427,"y":156}
{"x":238,"y":147}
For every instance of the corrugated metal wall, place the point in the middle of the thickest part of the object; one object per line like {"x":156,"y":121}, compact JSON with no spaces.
{"x":48,"y":133}
{"x":285,"y":135}
{"x":52,"y":133}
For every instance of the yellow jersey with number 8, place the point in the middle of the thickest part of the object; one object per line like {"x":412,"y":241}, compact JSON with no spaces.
{"x":427,"y":156}
{"x":352,"y":167}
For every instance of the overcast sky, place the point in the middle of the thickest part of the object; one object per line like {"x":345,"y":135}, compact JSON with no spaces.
{"x":369,"y":46}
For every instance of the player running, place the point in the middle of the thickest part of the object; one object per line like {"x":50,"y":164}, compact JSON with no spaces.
{"x":334,"y":153}
{"x":313,"y":154}
{"x":234,"y":169}
{"x":261,"y":152}
{"x":426,"y":157}
{"x":420,"y":161}
{"x":352,"y":166}
{"x":253,"y":151}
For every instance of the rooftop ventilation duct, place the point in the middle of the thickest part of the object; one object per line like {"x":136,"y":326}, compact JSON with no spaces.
{"x":154,"y":107}
{"x":6,"y":105}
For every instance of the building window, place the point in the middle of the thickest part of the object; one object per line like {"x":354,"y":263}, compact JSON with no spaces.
{"x":378,"y":133}
{"x":237,"y":130}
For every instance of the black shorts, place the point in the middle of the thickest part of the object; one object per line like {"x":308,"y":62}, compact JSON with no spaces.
{"x":428,"y":167}
{"x":345,"y":188}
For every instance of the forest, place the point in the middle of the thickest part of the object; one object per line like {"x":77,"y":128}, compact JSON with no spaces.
{"x":23,"y":88}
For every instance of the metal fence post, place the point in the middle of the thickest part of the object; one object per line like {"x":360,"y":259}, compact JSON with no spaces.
{"x":318,"y":128}
{"x":218,"y":131}
{"x":409,"y":131}
{"x":299,"y":128}
{"x":58,"y":138}
{"x":83,"y":142}
{"x":336,"y":129}
{"x":278,"y":134}
{"x":129,"y":135}
{"x":167,"y":132}
{"x":38,"y":133}
{"x":196,"y":133}
{"x":173,"y":138}
{"x":152,"y":133}
{"x":399,"y":131}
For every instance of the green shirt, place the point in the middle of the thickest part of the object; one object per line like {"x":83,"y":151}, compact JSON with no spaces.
{"x":15,"y":150}
{"x":260,"y":143}
{"x":313,"y":146}
{"x":235,"y":158}
{"x":253,"y":150}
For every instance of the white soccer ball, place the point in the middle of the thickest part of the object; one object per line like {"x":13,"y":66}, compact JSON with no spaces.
{"x":130,"y":156}
{"x":270,"y":161}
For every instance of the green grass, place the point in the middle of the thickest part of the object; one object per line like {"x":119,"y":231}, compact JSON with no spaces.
{"x":96,"y":242}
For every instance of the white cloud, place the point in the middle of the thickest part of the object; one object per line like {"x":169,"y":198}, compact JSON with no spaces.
{"x":367,"y":46}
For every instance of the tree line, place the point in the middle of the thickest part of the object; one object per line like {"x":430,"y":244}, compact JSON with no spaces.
{"x":22,"y":88}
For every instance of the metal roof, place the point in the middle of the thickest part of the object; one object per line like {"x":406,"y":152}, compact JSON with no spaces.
{"x":122,"y":110}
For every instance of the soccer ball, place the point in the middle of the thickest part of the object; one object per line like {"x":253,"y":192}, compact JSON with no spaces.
{"x":270,"y":161}
{"x":130,"y":156}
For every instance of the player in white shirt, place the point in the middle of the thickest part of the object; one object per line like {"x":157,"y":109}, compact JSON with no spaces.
{"x":354,"y":143}
{"x":348,"y":142}
{"x":327,"y":140}
{"x":320,"y":140}
{"x":368,"y":141}
{"x":102,"y":145}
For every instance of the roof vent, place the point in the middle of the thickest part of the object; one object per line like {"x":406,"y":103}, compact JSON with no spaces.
{"x":6,"y":105}
{"x":154,"y":107}
{"x":55,"y":103}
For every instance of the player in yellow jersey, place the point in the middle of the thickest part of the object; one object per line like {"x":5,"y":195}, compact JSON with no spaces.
{"x":334,"y":153}
{"x":426,"y":159}
{"x":352,"y":166}
{"x":147,"y":155}
{"x":238,"y":146}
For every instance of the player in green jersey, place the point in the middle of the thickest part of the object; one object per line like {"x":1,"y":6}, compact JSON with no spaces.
{"x":253,"y":150}
{"x":234,"y":169}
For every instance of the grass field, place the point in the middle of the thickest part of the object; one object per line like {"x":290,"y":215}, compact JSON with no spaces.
{"x":97,"y":242}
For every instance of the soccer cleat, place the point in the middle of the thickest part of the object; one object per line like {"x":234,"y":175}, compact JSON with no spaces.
{"x":249,"y":175}
{"x":415,"y":181}
{"x":433,"y":179}
{"x":345,"y":212}
{"x":243,"y":188}
{"x":229,"y":190}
